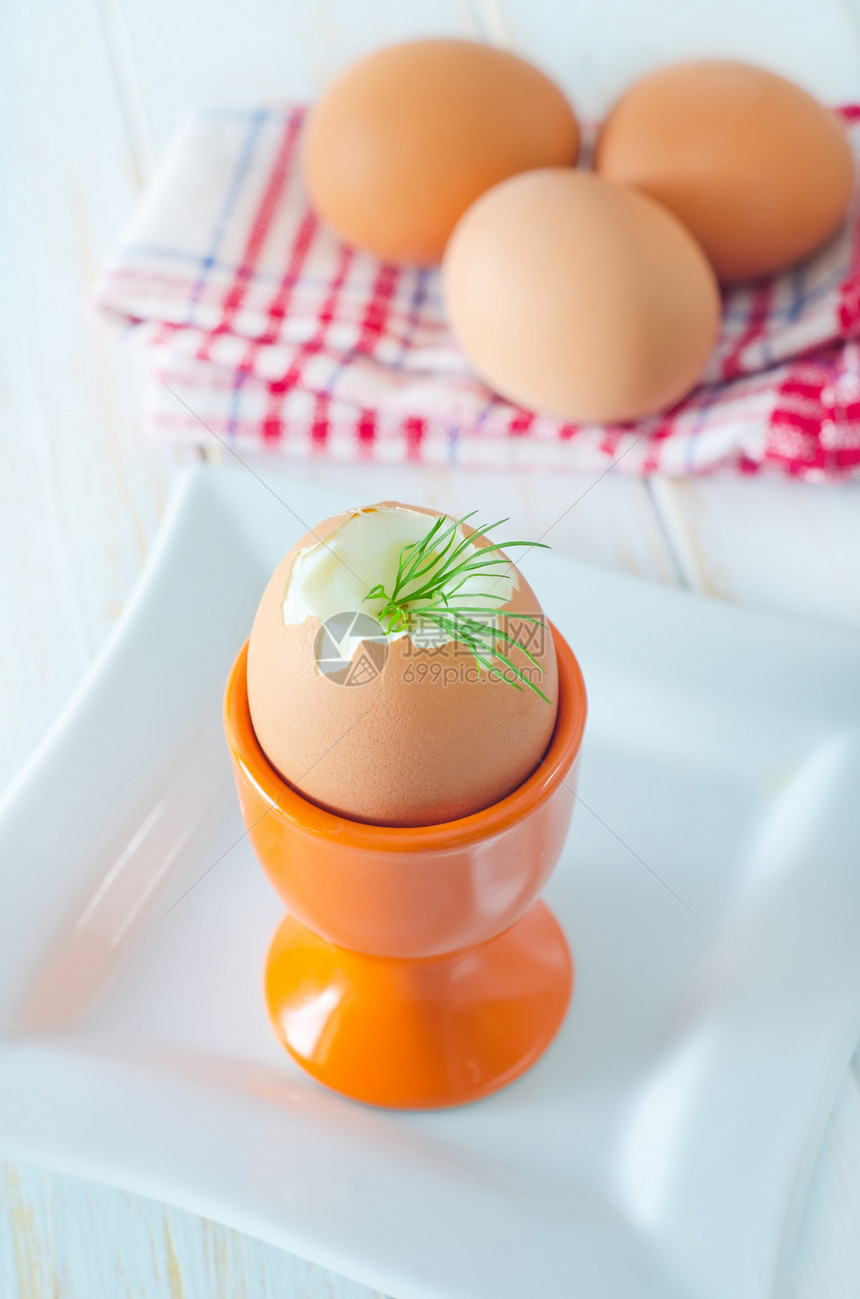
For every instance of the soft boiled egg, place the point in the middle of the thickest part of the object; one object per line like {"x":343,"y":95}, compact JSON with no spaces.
{"x":399,"y":729}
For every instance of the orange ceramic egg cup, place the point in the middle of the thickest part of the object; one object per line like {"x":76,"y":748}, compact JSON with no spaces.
{"x":415,"y":969}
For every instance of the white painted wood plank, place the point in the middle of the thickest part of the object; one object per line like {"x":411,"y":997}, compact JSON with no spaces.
{"x":64,"y":1238}
{"x":790,"y":547}
{"x":81,"y":493}
{"x":596,"y":50}
{"x":186,"y":54}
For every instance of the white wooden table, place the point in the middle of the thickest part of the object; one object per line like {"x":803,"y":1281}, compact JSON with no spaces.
{"x":90,"y":90}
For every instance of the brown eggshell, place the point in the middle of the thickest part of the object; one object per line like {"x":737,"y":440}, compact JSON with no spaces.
{"x":755,"y":167}
{"x":579,"y":298}
{"x":409,"y":747}
{"x":408,"y":137}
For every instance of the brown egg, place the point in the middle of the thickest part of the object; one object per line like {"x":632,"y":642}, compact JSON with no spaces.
{"x":579,"y":298}
{"x":408,"y":137}
{"x":400,"y":733}
{"x":757,"y":169}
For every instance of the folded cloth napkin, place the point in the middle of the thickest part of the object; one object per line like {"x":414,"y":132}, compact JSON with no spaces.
{"x":265,"y":329}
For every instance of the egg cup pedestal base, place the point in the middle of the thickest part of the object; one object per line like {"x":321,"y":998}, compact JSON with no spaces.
{"x":416,"y":968}
{"x":426,"y":1033}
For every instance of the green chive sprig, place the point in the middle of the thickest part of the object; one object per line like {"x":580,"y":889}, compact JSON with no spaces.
{"x":428,"y":588}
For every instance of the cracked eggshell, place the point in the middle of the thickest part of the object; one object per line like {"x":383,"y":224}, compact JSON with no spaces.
{"x":429,"y":739}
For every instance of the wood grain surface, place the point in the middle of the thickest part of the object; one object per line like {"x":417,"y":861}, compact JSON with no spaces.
{"x":90,"y":91}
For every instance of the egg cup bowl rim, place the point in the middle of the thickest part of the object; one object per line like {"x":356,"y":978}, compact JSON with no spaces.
{"x":295,"y":809}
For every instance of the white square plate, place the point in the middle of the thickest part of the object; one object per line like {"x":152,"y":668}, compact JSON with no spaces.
{"x":710,"y":891}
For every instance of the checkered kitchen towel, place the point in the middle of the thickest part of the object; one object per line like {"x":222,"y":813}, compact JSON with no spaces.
{"x":264,"y":329}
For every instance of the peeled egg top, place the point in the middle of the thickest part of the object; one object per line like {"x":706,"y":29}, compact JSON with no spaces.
{"x":578,"y":298}
{"x":394,"y":730}
{"x":409,"y":136}
{"x":755,"y":167}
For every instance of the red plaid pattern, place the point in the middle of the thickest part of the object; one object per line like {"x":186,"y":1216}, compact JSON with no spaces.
{"x":264,"y":329}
